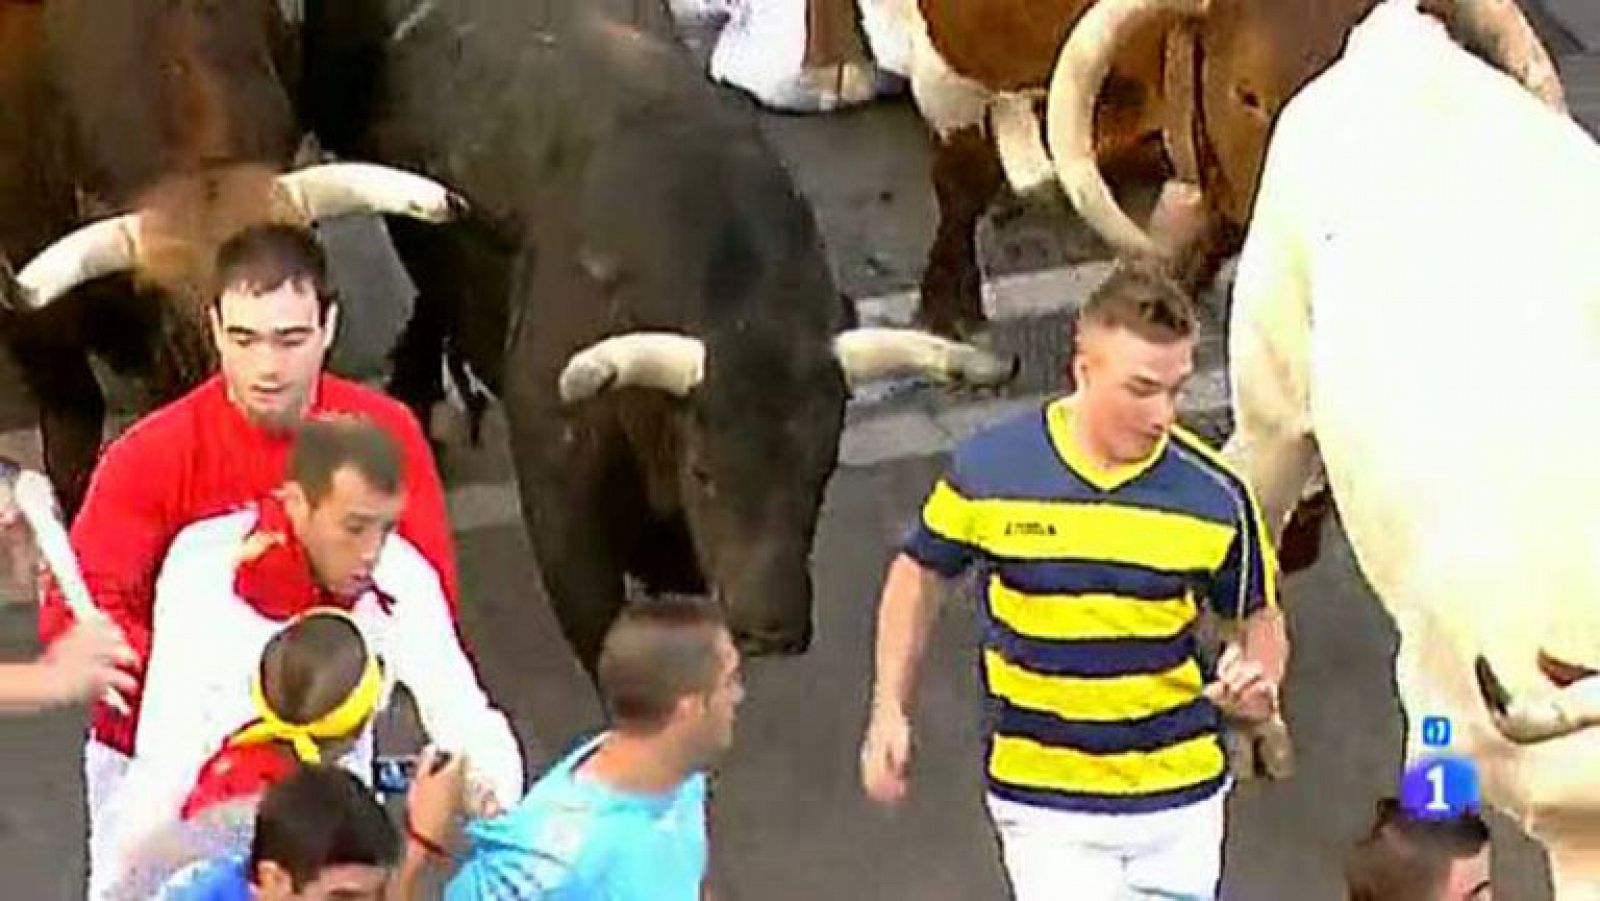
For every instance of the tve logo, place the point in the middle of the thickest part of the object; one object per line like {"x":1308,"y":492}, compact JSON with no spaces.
{"x":1440,"y":786}
{"x":1436,"y":731}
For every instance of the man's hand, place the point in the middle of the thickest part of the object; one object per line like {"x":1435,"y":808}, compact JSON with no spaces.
{"x":1242,"y":690}
{"x":886,"y":756}
{"x":436,"y":798}
{"x":87,"y":661}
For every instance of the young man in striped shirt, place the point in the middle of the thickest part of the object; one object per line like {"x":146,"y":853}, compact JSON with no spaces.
{"x":1098,"y":527}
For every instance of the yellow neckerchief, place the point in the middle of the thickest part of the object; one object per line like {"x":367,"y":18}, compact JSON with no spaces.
{"x":345,"y":718}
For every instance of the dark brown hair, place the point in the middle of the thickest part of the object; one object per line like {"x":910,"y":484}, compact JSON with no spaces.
{"x":321,"y":817}
{"x":1141,"y":298}
{"x":657,"y":652}
{"x":1407,"y":858}
{"x":327,"y":444}
{"x":310,"y":667}
{"x":262,"y":257}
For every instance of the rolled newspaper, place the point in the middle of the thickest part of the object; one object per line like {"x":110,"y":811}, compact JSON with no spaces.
{"x":32,"y":495}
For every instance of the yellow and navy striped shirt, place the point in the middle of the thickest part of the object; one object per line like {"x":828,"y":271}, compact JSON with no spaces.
{"x":1091,"y":586}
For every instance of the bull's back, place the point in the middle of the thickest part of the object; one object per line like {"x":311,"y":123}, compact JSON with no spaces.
{"x":1443,"y":216}
{"x":1013,"y":44}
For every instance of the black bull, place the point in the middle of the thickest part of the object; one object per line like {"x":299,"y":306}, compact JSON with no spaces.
{"x":615,"y":194}
{"x":639,"y":283}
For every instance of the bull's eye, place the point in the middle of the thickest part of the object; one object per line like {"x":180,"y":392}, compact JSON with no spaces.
{"x":701,"y":474}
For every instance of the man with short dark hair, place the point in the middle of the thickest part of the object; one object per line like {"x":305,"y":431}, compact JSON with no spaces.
{"x":233,"y":581}
{"x":225,"y":444}
{"x":621,"y":818}
{"x":1414,"y":858}
{"x":319,"y":835}
{"x":1098,"y":527}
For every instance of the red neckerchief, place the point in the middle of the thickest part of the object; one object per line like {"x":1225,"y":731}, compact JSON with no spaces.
{"x":238,"y":771}
{"x":274,"y":575}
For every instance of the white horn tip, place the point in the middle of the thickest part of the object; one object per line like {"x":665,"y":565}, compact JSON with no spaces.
{"x":585,"y":377}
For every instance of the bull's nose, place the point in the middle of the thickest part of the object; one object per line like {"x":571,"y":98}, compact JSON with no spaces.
{"x":772,"y":643}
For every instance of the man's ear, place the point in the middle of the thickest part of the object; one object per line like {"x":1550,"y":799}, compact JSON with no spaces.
{"x":295,"y":501}
{"x":330,"y":326}
{"x":272,"y":881}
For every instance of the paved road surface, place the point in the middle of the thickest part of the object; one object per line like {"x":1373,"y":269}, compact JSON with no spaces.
{"x":791,"y":823}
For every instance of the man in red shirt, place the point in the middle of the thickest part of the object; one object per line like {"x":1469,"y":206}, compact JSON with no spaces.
{"x":224,"y":444}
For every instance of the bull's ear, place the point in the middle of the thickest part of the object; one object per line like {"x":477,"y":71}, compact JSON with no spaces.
{"x":666,"y":361}
{"x":868,"y":354}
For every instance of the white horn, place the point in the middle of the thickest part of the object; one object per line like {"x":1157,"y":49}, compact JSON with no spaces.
{"x":95,"y":250}
{"x":1069,"y":118}
{"x":345,"y":189}
{"x":1020,"y":143}
{"x":867,"y":354}
{"x":668,"y":361}
{"x":1531,"y":720}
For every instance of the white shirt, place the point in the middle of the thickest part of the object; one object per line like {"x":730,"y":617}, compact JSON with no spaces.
{"x":206,"y":646}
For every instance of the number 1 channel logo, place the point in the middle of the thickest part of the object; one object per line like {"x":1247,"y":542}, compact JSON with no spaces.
{"x":1439,"y":785}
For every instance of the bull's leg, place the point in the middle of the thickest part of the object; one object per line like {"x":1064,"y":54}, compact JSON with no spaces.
{"x":966,"y":178}
{"x":416,"y":379}
{"x":1269,"y":367}
{"x":459,"y":316}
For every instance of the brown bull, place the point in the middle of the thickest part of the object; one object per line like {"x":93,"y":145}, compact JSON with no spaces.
{"x":135,"y":136}
{"x":1182,"y":91}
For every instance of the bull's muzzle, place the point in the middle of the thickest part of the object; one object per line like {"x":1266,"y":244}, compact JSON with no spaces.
{"x":1561,"y":712}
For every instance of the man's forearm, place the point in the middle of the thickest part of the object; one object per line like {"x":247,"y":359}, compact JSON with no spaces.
{"x":906,"y":614}
{"x":25,"y":687}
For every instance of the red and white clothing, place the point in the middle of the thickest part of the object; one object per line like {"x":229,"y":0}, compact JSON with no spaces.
{"x":229,"y":584}
{"x":198,"y":457}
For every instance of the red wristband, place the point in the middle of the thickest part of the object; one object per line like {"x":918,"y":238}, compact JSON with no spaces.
{"x":427,"y":844}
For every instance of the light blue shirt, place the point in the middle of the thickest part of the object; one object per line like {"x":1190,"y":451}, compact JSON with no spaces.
{"x":573,"y":839}
{"x":218,"y":879}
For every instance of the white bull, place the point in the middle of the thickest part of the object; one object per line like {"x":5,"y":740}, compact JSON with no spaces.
{"x":1419,"y":294}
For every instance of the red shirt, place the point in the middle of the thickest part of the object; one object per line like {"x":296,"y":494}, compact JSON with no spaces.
{"x":238,"y":771}
{"x":198,"y":457}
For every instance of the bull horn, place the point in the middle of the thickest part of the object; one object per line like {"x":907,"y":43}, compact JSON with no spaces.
{"x":1069,"y":118}
{"x":668,"y":361}
{"x":98,"y":249}
{"x":1532,"y":720}
{"x":1502,"y":33}
{"x":867,"y":354}
{"x":345,"y":189}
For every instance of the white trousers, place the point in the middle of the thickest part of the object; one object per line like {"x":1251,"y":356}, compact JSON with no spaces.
{"x":103,"y":770}
{"x":1054,"y":855}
